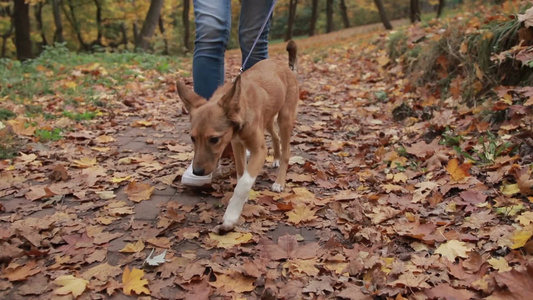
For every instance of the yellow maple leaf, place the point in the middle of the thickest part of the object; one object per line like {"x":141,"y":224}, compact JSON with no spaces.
{"x":510,"y":189}
{"x":525,"y":218}
{"x":300,"y":214}
{"x":234,"y":282}
{"x":229,"y":240}
{"x":132,"y":281}
{"x":103,"y":139}
{"x":120,"y":179}
{"x":499,"y":264}
{"x":70,"y":285}
{"x":521,"y":236}
{"x":139,"y":191}
{"x":301,"y":195}
{"x":453,"y":249}
{"x":300,"y":267}
{"x":133,"y":248}
{"x":84,"y":162}
{"x":458,"y":172}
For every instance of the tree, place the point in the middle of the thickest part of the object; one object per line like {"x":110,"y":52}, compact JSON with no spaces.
{"x":344,"y":14}
{"x":442,"y":3}
{"x":99,"y":27}
{"x":38,"y":12}
{"x":162,"y":30}
{"x":6,"y":11}
{"x":314,"y":15}
{"x":21,"y":17}
{"x":383,"y":14}
{"x":58,"y":34}
{"x":186,"y":26}
{"x":149,"y":25}
{"x":292,"y":17}
{"x":329,"y":15}
{"x":73,"y":20}
{"x":414,"y":11}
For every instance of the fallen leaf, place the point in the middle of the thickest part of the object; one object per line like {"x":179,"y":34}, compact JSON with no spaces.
{"x":70,"y":285}
{"x":84,"y":162}
{"x":458,"y":172}
{"x":521,"y":236}
{"x":132,"y":281}
{"x":133,"y":248}
{"x":138,"y":191}
{"x":234,"y":283}
{"x":453,"y":249}
{"x":499,"y":264}
{"x":300,"y":214}
{"x":230,"y":239}
{"x":15,"y":272}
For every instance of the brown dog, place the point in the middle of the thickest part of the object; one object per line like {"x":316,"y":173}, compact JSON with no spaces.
{"x":239,"y":113}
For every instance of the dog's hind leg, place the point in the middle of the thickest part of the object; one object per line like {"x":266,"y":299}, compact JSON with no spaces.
{"x":271,"y":127}
{"x":286,"y":123}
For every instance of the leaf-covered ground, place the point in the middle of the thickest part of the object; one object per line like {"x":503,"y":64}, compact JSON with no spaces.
{"x":435,"y":205}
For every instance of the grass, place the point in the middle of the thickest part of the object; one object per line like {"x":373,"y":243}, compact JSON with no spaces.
{"x":78,"y":72}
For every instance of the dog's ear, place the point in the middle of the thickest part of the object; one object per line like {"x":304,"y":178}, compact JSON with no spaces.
{"x":231,"y":103}
{"x":191,"y":100}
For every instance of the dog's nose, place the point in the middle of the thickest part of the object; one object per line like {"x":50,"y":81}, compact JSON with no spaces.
{"x":198,"y":171}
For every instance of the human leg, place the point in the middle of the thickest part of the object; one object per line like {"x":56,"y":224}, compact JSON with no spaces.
{"x":213,"y":25}
{"x":253,"y":14}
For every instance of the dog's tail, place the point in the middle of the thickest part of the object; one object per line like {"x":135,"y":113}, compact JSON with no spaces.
{"x":292,"y":49}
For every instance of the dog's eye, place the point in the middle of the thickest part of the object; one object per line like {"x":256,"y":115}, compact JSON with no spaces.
{"x":193,"y":139}
{"x":213,"y":140}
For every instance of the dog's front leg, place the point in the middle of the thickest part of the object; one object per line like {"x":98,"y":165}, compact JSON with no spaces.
{"x":244,"y":186}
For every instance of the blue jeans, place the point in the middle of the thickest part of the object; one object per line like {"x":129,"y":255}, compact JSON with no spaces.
{"x":213,"y":27}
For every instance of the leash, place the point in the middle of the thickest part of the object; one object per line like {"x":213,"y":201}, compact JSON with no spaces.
{"x":258,"y":35}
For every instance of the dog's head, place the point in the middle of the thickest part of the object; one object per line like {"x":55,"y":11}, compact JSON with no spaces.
{"x":213,"y":123}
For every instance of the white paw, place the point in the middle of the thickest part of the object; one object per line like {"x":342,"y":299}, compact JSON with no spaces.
{"x":222,"y":229}
{"x":231,"y":218}
{"x":276,"y":187}
{"x":275,"y":163}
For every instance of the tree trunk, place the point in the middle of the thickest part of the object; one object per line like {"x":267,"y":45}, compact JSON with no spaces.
{"x":76,"y":25}
{"x":124,"y":40}
{"x":442,"y":3}
{"x":292,"y":17}
{"x":414,"y":11}
{"x":149,"y":25}
{"x":383,"y":14}
{"x":21,"y":16}
{"x":162,"y":30}
{"x":6,"y":12}
{"x":135,"y":29}
{"x":99,"y":27}
{"x":58,"y":34}
{"x":344,"y":14}
{"x":329,"y":15}
{"x":39,"y":18}
{"x":314,"y":15}
{"x":186,"y":26}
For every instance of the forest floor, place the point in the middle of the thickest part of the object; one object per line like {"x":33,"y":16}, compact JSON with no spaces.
{"x":373,"y":207}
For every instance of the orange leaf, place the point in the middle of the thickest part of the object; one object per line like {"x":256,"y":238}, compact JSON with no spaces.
{"x":15,"y":272}
{"x":458,"y":172}
{"x":138,"y":192}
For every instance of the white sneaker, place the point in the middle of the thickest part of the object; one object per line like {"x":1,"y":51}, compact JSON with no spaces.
{"x":189,"y":179}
